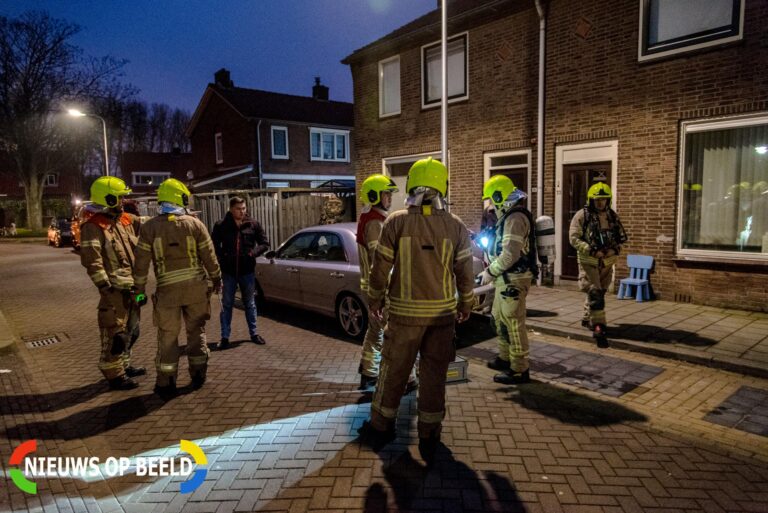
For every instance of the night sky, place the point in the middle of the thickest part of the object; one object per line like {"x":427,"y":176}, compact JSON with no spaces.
{"x":175,"y":46}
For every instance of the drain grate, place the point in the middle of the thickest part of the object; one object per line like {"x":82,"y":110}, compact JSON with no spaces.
{"x":43,"y":342}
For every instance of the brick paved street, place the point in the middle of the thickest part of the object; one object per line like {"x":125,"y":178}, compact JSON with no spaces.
{"x":608,"y":431}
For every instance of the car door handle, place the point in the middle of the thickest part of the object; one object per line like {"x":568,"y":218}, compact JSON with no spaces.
{"x":292,"y":269}
{"x":334,"y":274}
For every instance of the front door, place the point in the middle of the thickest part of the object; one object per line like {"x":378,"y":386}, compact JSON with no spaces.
{"x":577,"y":179}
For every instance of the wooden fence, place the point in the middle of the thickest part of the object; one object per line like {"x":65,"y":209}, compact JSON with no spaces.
{"x":281,"y":212}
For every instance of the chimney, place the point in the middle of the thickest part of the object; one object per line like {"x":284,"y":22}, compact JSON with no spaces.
{"x":319,"y":92}
{"x":221,"y":78}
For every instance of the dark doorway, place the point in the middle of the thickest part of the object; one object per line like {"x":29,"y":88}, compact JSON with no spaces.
{"x":577,"y":179}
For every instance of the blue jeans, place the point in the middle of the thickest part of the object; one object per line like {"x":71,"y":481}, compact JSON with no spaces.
{"x":247,"y":289}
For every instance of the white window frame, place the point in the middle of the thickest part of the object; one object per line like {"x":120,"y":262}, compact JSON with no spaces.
{"x":284,"y":129}
{"x":278,"y":185}
{"x":402,"y":159}
{"x":54,"y":182}
{"x":704,"y":125}
{"x":218,"y":148}
{"x":383,"y":114}
{"x":487,"y":167}
{"x":690,"y":44}
{"x":154,"y":174}
{"x":334,"y":132}
{"x":436,"y":103}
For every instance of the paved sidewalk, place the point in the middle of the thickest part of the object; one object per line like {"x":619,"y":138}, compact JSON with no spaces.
{"x":730,"y":339}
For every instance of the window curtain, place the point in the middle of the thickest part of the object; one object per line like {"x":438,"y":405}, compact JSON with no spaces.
{"x":725,"y":191}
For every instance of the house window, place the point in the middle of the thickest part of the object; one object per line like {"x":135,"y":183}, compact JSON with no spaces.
{"x":724,"y":188}
{"x":669,"y":27}
{"x":219,"y":149}
{"x":149,"y":178}
{"x":51,"y":180}
{"x":275,"y":185}
{"x":279,"y":142}
{"x":513,"y":164}
{"x":389,"y":87}
{"x":457,"y":71}
{"x":331,"y":145}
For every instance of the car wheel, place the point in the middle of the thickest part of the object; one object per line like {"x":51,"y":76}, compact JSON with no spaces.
{"x":351,"y":316}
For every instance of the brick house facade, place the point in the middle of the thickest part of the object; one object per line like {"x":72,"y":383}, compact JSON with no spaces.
{"x":143,"y":171}
{"x":613,"y":111}
{"x":246,"y":138}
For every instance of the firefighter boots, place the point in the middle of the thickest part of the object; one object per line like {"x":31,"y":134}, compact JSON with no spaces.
{"x":512,"y":378}
{"x":600,"y":335}
{"x":498,"y":364}
{"x":122,"y":383}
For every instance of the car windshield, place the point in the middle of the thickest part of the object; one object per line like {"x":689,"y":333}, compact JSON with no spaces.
{"x":63,"y":224}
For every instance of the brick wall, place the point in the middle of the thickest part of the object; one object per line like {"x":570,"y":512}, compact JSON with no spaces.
{"x":596,"y":90}
{"x":237,"y":139}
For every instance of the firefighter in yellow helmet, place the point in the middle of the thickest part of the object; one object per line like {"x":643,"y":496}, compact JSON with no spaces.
{"x":108,"y":242}
{"x":512,"y":253}
{"x":423,"y":267}
{"x":182,"y":252}
{"x":377,"y":196}
{"x":596,"y":233}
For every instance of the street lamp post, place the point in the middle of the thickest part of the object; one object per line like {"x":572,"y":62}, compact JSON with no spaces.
{"x":79,"y":114}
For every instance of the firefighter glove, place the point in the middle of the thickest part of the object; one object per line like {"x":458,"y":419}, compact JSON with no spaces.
{"x":486,"y":277}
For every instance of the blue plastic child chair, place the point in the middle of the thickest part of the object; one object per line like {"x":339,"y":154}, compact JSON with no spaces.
{"x":639,"y":266}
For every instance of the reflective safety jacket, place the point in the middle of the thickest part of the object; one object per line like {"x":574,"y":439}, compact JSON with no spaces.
{"x":107,"y":248}
{"x":368,"y":232}
{"x":182,"y":253}
{"x":429,"y":256}
{"x":512,"y":243}
{"x":592,"y":231}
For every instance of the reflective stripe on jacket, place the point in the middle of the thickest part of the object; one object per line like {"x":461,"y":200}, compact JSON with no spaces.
{"x":107,"y":249}
{"x":368,"y":232}
{"x":181,"y":250}
{"x":428,"y":254}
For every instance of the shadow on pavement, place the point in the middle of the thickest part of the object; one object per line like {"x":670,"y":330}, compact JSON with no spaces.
{"x":450,"y":485}
{"x":304,"y":319}
{"x":539,"y":313}
{"x":30,"y":403}
{"x":570,"y":407}
{"x":89,"y":422}
{"x":658,"y":335}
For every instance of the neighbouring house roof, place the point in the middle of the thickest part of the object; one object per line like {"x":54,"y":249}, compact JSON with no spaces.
{"x":462,"y":14}
{"x":257,"y":104}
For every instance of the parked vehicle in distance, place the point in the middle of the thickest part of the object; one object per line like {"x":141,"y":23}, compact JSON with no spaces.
{"x":59,"y":233}
{"x":78,"y":218}
{"x":318,"y":269}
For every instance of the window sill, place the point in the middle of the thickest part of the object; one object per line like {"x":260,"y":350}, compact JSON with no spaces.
{"x":722,"y":264}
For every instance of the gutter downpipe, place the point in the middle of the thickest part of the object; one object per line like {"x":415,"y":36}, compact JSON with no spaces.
{"x":444,"y":87}
{"x":540,"y":128}
{"x":258,"y":153}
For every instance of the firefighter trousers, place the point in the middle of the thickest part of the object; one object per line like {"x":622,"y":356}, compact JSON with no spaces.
{"x":508,"y":316}
{"x":401,"y":344}
{"x":594,"y":281}
{"x":118,"y":320}
{"x":370,"y":359}
{"x":168,"y":322}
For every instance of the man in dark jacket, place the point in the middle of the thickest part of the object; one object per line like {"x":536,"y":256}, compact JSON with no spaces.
{"x":238,"y":240}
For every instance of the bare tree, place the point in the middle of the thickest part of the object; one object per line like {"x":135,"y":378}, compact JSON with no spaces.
{"x":177,"y":131}
{"x":40,"y":72}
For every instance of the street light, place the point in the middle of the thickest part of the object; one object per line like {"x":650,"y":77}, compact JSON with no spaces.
{"x":79,"y":114}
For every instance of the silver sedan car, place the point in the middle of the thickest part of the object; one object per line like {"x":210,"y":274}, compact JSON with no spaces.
{"x":318,"y":269}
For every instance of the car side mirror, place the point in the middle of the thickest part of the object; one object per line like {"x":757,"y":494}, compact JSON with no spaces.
{"x":270,"y":254}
